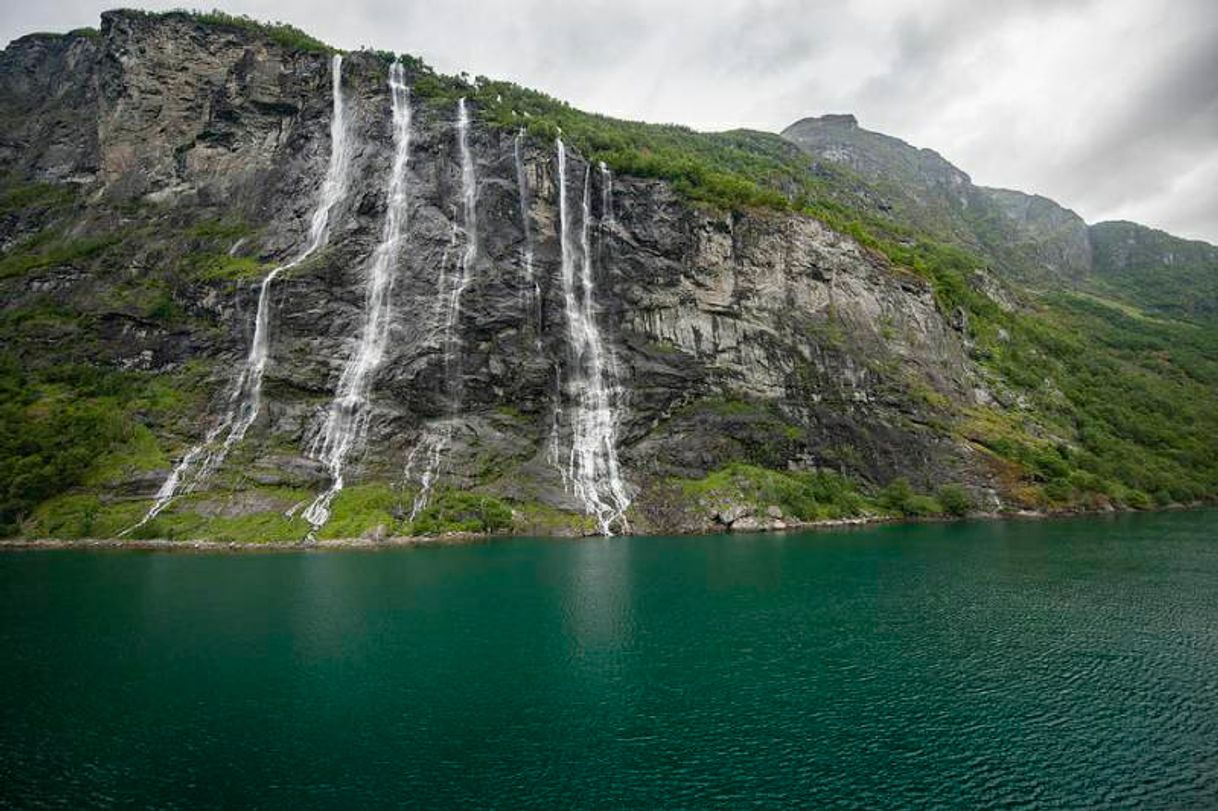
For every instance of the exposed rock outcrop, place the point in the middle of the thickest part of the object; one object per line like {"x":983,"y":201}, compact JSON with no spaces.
{"x":761,"y":337}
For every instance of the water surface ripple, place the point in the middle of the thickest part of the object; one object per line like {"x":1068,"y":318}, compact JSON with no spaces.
{"x":1039,"y":665}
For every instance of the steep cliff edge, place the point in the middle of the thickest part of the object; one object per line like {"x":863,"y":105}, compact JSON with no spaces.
{"x":765,"y":366}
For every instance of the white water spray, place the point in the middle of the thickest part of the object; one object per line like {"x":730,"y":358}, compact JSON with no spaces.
{"x":347,"y":419}
{"x":606,"y":195}
{"x":522,"y":188}
{"x":245,"y":395}
{"x":593,"y":470}
{"x":554,"y":445}
{"x":532,"y":302}
{"x":469,"y":206}
{"x":436,"y":438}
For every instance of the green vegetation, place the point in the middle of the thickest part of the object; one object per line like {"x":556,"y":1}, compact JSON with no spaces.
{"x":955,"y":500}
{"x":182,"y":525}
{"x":899,"y":498}
{"x":362,"y":509}
{"x":221,"y":266}
{"x":457,"y":511}
{"x":1117,"y":406}
{"x":805,"y":496}
{"x":209,"y":259}
{"x":23,"y":197}
{"x":282,"y":34}
{"x":734,"y":169}
{"x":83,"y":515}
{"x":535,"y":518}
{"x":67,"y":425}
{"x":815,"y":496}
{"x":221,"y":229}
{"x":1094,"y":401}
{"x":372,"y":510}
{"x":1131,"y":405}
{"x":1156,"y":271}
{"x":36,"y":253}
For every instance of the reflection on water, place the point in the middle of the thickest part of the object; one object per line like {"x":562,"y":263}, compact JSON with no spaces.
{"x":598,"y":598}
{"x":1050,"y":664}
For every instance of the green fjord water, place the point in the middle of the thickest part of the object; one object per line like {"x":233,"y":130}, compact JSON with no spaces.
{"x":1041,"y":664}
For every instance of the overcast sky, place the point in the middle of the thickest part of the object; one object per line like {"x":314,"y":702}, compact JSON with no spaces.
{"x":1108,"y":106}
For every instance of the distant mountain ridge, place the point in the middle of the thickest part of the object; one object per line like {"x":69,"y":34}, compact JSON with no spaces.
{"x":517,"y":316}
{"x":1028,"y":237}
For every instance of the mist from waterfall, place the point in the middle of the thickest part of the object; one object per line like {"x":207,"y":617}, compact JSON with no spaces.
{"x":593,"y":472}
{"x":436,"y":439}
{"x":245,"y":394}
{"x":347,"y":419}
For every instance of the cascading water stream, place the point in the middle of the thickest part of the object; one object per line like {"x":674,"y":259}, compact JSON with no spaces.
{"x":436,"y":439}
{"x":347,"y":419}
{"x":469,"y":204}
{"x":593,"y":470}
{"x":245,"y":394}
{"x":532,"y":289}
{"x":606,"y":194}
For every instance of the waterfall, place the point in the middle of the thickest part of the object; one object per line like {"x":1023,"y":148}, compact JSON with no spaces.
{"x":606,"y":194}
{"x":436,"y":439}
{"x":469,"y":206}
{"x":554,"y":445}
{"x":532,"y":302}
{"x":522,"y":189}
{"x":592,"y":470}
{"x":347,"y":419}
{"x":245,"y":393}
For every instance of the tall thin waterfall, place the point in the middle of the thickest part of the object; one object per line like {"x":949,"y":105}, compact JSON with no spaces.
{"x":347,"y":419}
{"x":593,"y":470}
{"x":245,"y":394}
{"x":436,"y":439}
{"x":532,"y":290}
{"x":469,"y":209}
{"x":606,"y":194}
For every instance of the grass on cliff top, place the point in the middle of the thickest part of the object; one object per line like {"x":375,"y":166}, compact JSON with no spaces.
{"x":282,"y":34}
{"x":729,"y":170}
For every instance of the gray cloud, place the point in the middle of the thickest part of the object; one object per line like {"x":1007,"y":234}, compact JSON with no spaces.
{"x":1108,"y":106}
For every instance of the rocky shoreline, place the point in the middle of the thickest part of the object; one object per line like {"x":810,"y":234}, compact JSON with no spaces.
{"x":455,"y":538}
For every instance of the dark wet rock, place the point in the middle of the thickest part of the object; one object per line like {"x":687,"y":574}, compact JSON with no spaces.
{"x":754,"y":336}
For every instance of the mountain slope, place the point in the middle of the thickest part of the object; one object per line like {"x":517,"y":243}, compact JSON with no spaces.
{"x":1030,"y":238}
{"x":1027,"y":238}
{"x":779,"y":330}
{"x":1155,"y":270}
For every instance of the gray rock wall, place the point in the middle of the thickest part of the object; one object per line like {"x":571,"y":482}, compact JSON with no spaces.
{"x":755,"y":336}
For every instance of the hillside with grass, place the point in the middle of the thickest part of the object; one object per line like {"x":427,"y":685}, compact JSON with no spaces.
{"x":823,"y":324}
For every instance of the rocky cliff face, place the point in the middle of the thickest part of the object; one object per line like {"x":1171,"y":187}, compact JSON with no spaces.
{"x":192,"y":157}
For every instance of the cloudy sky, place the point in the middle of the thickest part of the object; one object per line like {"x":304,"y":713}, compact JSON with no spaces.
{"x":1108,"y":106}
